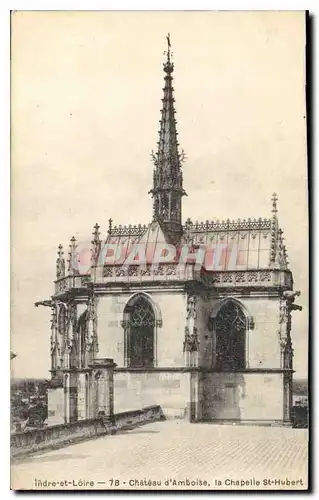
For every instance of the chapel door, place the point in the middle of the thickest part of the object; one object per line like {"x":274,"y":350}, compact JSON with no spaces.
{"x":230,"y":409}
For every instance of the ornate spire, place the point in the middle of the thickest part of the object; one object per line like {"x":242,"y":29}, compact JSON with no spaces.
{"x":73,"y":260}
{"x":60,"y":263}
{"x":278,"y":251}
{"x":96,"y":244}
{"x":168,"y":189}
{"x":110,"y":226}
{"x":274,"y":230}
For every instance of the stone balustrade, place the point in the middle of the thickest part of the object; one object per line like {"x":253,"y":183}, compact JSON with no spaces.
{"x":56,"y":436}
{"x":266,"y":278}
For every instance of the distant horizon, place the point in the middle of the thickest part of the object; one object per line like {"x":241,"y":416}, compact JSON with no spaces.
{"x":20,"y":379}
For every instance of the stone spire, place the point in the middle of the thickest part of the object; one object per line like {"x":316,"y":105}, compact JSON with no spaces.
{"x":278,"y":250}
{"x":168,"y":189}
{"x":274,"y":230}
{"x":60,"y":263}
{"x":96,"y":245}
{"x":73,"y":258}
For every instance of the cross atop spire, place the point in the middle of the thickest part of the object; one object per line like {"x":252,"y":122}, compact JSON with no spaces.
{"x":168,"y":178}
{"x":168,"y":65}
{"x":168,"y":41}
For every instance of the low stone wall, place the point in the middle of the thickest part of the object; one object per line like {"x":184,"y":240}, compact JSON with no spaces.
{"x":138,"y":389}
{"x":24,"y":443}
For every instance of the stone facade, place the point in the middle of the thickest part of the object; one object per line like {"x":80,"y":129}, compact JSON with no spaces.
{"x":196,"y":316}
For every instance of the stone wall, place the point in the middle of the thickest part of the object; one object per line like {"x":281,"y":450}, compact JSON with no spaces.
{"x":169,"y":389}
{"x":23,"y":443}
{"x":263,"y":341}
{"x":170,"y":335}
{"x":56,"y":406}
{"x":243,"y":396}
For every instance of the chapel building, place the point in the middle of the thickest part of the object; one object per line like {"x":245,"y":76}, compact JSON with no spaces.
{"x":204,"y":331}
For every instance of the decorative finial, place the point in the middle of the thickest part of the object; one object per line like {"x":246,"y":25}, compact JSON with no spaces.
{"x":96,"y":233}
{"x":168,"y":66}
{"x":73,"y":264}
{"x":60,"y":263}
{"x":95,"y":244}
{"x":168,"y":38}
{"x":110,"y":226}
{"x":60,"y":251}
{"x":274,"y":199}
{"x":274,"y":230}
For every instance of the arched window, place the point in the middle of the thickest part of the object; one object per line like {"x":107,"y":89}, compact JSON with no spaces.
{"x":140,"y":326}
{"x":230,"y":337}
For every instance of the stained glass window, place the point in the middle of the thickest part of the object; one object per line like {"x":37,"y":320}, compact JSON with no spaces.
{"x":140,"y":334}
{"x":230,"y":337}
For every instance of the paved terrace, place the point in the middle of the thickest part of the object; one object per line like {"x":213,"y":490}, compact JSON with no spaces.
{"x":170,"y":451}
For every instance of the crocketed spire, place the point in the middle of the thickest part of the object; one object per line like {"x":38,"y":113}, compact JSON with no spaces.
{"x":168,"y":178}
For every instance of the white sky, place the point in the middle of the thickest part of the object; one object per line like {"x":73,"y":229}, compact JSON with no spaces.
{"x":86,"y":90}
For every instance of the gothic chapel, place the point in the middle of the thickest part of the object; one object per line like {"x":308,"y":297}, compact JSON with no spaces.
{"x":205,"y":342}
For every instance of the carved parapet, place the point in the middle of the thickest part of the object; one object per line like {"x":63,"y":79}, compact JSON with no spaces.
{"x":63,"y":285}
{"x":130,"y":230}
{"x":147,"y":272}
{"x":227,"y":225}
{"x":262,"y":278}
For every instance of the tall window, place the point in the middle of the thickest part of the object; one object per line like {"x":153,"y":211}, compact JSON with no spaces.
{"x":140,"y":333}
{"x":230,"y":337}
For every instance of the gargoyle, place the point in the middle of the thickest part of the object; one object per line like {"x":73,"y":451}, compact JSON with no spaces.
{"x":46,"y":303}
{"x":295,"y":307}
{"x":290,"y":296}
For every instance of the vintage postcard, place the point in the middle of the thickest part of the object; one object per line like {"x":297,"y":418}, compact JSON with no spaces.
{"x":159,"y":251}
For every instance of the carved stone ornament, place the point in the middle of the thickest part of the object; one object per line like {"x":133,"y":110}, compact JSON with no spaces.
{"x":60,"y":264}
{"x":191,"y":307}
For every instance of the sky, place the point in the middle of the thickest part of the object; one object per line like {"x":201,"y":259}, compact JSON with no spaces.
{"x":85,"y":104}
